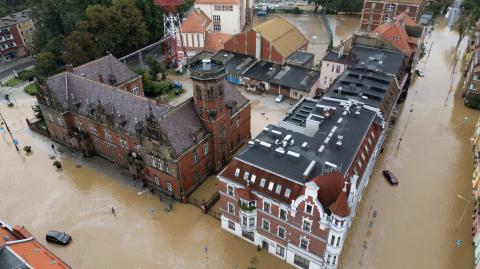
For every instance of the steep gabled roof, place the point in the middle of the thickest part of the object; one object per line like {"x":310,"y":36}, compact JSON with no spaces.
{"x":105,"y":67}
{"x":197,"y":22}
{"x":340,"y":207}
{"x":395,"y":34}
{"x":283,"y":35}
{"x":180,"y":125}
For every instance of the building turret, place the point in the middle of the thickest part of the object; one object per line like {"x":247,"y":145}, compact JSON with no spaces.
{"x":209,"y":99}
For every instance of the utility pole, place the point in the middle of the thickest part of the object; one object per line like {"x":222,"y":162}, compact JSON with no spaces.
{"x":9,"y":132}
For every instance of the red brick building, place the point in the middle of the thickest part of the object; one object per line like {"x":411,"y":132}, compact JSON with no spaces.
{"x":376,"y":12}
{"x":19,"y":249}
{"x":171,"y":149}
{"x":16,"y":35}
{"x":295,"y":189}
{"x":273,"y":41}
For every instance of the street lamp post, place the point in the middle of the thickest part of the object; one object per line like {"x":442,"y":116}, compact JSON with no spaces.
{"x":9,"y":132}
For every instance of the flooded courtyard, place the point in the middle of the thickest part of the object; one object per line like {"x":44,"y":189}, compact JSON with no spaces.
{"x":416,"y":224}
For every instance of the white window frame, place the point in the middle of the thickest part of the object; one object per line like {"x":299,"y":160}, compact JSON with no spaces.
{"x":279,"y":214}
{"x":246,"y":175}
{"x":232,"y":206}
{"x":304,"y":239}
{"x":237,"y":172}
{"x":284,"y":232}
{"x":107,"y":135}
{"x":157,"y":180}
{"x":283,"y":250}
{"x":230,"y":190}
{"x":169,"y":186}
{"x":306,"y":206}
{"x":270,"y":186}
{"x":205,"y":149}
{"x":135,"y":90}
{"x":262,"y":182}
{"x":309,"y":225}
{"x":265,"y":203}
{"x":265,"y":221}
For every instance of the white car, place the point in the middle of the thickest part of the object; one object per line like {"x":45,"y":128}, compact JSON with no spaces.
{"x":279,"y":98}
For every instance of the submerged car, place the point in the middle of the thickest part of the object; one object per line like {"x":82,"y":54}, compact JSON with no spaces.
{"x":390,"y":177}
{"x":420,"y":73}
{"x":279,"y":98}
{"x":58,"y":237}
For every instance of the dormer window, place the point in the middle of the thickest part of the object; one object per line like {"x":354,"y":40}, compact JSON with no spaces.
{"x":278,"y":189}
{"x":252,"y":179}
{"x":270,"y":186}
{"x":246,"y":175}
{"x":262,"y":182}
{"x":308,"y":208}
{"x":288,"y":191}
{"x":307,"y":225}
{"x":230,"y":190}
{"x":237,"y":172}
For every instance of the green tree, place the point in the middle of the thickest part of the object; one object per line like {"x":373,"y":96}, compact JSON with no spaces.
{"x":153,"y":16}
{"x":118,"y":29}
{"x":79,"y":48}
{"x":46,"y":64}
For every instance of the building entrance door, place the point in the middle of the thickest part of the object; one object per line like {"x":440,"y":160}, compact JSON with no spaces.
{"x":265,"y":245}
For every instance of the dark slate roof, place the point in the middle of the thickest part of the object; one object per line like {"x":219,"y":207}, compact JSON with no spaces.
{"x":304,"y":123}
{"x":380,"y":60}
{"x":15,"y":18}
{"x":8,"y":260}
{"x":106,"y":66}
{"x":235,"y":63}
{"x":233,"y":97}
{"x":262,"y":71}
{"x":366,"y":86}
{"x":300,"y":57}
{"x":332,"y":56}
{"x":180,"y":124}
{"x":71,"y":89}
{"x":296,"y":77}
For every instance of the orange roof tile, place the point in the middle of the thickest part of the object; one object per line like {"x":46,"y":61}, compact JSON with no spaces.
{"x":330,"y":187}
{"x":37,"y":255}
{"x":197,"y":22}
{"x":395,"y":34}
{"x":214,"y":41}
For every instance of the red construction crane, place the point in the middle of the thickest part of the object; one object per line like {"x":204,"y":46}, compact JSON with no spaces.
{"x":171,"y":27}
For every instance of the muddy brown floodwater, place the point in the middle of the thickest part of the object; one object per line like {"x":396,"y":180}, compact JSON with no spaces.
{"x":418,"y":221}
{"x":416,"y":224}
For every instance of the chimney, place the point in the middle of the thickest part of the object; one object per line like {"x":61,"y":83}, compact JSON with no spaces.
{"x":341,"y":51}
{"x":258,"y":46}
{"x":69,"y":68}
{"x":100,"y":78}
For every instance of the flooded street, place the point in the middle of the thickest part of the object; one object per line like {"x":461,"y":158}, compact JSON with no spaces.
{"x":78,"y":200}
{"x":416,"y":226}
{"x":419,"y":220}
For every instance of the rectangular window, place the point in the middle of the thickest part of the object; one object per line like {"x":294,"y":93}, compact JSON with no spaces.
{"x":205,"y":149}
{"x":270,"y":186}
{"x":288,"y":191}
{"x":278,"y":189}
{"x":334,"y":260}
{"x":280,"y":251}
{"x":218,"y":8}
{"x":338,"y":69}
{"x":266,"y":206}
{"x":78,"y":122}
{"x":169,"y":186}
{"x":338,"y":240}
{"x":230,"y":190}
{"x":266,"y":225}
{"x":363,"y":156}
{"x":252,"y":179}
{"x":123,"y":143}
{"x":217,"y":28}
{"x":281,"y":232}
{"x":307,"y":225}
{"x":107,"y":135}
{"x":251,"y":221}
{"x":262,"y":182}
{"x":332,"y":240}
{"x":231,"y":208}
{"x":282,"y":214}
{"x":216,"y":18}
{"x":238,"y":123}
{"x":308,"y":208}
{"x":301,"y":262}
{"x":370,"y":141}
{"x":231,"y":225}
{"x":237,"y":172}
{"x":195,"y":156}
{"x":359,"y":163}
{"x":304,"y":243}
{"x":135,"y":90}
{"x":157,"y":180}
{"x":246,"y":175}
{"x":244,"y":221}
{"x":138,"y":148}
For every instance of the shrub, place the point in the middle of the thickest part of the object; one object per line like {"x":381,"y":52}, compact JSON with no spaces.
{"x":57,"y":164}
{"x":26,"y":75}
{"x":31,"y":89}
{"x":27,"y":149}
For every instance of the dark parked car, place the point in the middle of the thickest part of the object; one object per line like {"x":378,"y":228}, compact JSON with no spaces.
{"x":58,"y":237}
{"x":390,"y":177}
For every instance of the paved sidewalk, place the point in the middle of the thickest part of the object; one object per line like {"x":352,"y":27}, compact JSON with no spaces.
{"x":6,"y":69}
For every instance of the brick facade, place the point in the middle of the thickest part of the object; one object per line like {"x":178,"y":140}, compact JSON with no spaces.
{"x":376,"y":12}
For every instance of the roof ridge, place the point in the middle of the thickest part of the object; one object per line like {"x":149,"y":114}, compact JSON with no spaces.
{"x":177,"y":107}
{"x":94,"y":61}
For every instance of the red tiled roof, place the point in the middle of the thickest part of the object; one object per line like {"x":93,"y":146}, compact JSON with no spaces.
{"x":395,"y":34}
{"x":296,"y":189}
{"x":330,"y":187}
{"x":340,"y":207}
{"x":197,"y":22}
{"x":20,"y":241}
{"x":214,"y":41}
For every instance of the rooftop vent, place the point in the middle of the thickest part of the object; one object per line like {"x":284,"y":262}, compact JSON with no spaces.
{"x":293,"y":155}
{"x":309,"y":169}
{"x":339,"y":140}
{"x":304,"y":145}
{"x":321,"y":149}
{"x":280,"y":151}
{"x":251,"y":143}
{"x":265,"y":145}
{"x":339,"y":120}
{"x":276,"y":133}
{"x":332,"y":165}
{"x":206,"y":64}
